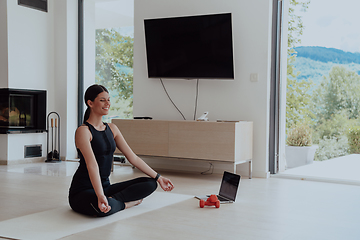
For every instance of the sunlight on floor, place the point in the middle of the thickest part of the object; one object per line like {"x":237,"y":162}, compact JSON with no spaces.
{"x":338,"y":170}
{"x":45,"y":169}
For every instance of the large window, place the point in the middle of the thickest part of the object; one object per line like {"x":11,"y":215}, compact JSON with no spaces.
{"x":323,"y":84}
{"x":114,"y":41}
{"x":114,"y":68}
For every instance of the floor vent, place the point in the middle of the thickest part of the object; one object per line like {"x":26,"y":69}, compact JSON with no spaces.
{"x":33,"y":151}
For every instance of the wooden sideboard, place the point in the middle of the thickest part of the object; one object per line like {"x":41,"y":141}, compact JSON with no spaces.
{"x":230,"y":142}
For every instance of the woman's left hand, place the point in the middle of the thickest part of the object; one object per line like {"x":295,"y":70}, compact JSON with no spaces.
{"x":165,"y":184}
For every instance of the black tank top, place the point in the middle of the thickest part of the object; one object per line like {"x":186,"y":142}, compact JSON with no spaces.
{"x":103,"y":146}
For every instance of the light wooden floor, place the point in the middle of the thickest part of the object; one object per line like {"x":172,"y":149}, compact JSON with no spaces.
{"x":272,"y":208}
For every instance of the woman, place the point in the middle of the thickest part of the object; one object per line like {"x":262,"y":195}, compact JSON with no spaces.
{"x":91,"y":192}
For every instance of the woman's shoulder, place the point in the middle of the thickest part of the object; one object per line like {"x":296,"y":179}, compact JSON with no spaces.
{"x":82,"y":126}
{"x":83,"y":132}
{"x":113,"y":128}
{"x":82,"y":129}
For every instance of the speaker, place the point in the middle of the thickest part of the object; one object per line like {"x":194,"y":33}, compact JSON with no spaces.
{"x":41,"y":5}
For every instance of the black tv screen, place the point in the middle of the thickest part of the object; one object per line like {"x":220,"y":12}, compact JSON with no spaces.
{"x":190,"y":47}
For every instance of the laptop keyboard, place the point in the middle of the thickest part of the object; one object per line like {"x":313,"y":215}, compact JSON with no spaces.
{"x":222,"y":198}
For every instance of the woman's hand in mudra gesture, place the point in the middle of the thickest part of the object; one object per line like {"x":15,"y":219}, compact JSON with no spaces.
{"x":165,"y":183}
{"x":103,"y":204}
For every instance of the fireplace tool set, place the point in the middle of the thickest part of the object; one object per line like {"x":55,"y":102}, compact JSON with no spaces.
{"x":53,"y":137}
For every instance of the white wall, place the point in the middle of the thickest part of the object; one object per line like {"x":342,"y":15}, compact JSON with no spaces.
{"x":109,"y":14}
{"x":41,"y":54}
{"x":3,"y":45}
{"x":3,"y":148}
{"x":60,"y":72}
{"x":30,"y":64}
{"x":16,"y":143}
{"x":239,"y":99}
{"x":72,"y":77}
{"x":30,"y":47}
{"x":89,"y":44}
{"x":65,"y":94}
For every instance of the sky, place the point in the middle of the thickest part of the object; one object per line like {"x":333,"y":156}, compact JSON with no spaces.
{"x":114,"y":13}
{"x":332,"y":24}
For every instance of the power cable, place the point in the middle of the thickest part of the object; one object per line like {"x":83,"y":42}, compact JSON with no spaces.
{"x":207,"y":172}
{"x":196,"y":97}
{"x":171,"y":99}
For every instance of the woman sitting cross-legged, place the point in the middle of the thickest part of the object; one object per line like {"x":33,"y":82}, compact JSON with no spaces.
{"x":91,"y":192}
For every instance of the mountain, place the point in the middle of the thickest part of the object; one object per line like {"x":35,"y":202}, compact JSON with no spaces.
{"x":316,"y":62}
{"x":323,"y":54}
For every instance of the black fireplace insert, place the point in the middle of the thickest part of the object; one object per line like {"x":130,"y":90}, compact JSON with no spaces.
{"x":22,"y":111}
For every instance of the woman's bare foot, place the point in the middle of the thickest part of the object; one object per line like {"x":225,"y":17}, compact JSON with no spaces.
{"x":133,"y":203}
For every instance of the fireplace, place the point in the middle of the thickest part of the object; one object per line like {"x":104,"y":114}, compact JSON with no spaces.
{"x":22,"y":111}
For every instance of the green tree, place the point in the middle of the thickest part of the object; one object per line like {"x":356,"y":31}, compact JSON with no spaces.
{"x":353,"y":136}
{"x":295,"y":24}
{"x":114,"y":64}
{"x":298,"y":102}
{"x":297,"y":93}
{"x":335,"y":127}
{"x":336,"y":103}
{"x":337,"y":93}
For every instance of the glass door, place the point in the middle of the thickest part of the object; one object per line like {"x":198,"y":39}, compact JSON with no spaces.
{"x":108,"y":51}
{"x":322,"y":90}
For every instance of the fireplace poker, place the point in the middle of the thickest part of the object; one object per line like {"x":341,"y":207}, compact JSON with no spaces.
{"x":51,"y":153}
{"x":56,"y":153}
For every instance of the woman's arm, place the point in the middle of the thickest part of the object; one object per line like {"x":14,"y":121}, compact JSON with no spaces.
{"x":82,"y":141}
{"x":165,"y":183}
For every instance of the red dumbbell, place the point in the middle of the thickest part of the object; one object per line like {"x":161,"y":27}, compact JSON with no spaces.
{"x":211,"y":201}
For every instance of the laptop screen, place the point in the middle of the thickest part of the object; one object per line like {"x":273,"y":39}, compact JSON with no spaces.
{"x":229,"y":185}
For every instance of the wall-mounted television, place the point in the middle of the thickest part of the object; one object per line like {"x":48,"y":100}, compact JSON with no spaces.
{"x":190,"y":47}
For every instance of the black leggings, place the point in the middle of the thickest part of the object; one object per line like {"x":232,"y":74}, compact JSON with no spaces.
{"x":117,"y":194}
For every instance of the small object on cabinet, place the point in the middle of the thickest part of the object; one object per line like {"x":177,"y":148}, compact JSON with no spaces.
{"x":203,"y":117}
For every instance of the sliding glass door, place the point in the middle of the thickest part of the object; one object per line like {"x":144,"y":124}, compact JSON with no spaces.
{"x":107,"y":57}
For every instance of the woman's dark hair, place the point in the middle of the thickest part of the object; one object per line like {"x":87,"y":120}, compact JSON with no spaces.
{"x":91,"y":93}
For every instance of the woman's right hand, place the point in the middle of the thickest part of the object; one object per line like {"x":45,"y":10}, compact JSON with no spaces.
{"x":103,"y":204}
{"x":165,"y":184}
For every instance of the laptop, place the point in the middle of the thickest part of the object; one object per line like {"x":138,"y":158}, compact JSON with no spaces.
{"x":228,"y":189}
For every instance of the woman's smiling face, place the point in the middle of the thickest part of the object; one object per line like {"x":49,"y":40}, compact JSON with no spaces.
{"x":101,"y":104}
